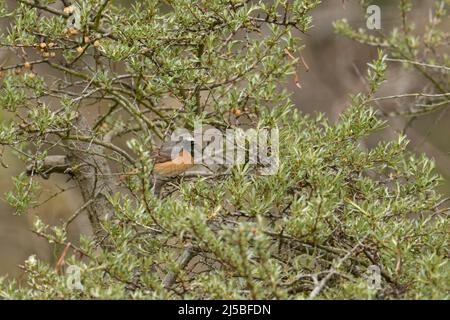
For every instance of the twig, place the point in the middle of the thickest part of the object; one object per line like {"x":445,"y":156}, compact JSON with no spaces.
{"x":20,"y":65}
{"x":61,"y":260}
{"x":319,"y":287}
{"x":51,"y":164}
{"x":419,"y":63}
{"x":183,"y":260}
{"x":411,"y":95}
{"x":76,"y":213}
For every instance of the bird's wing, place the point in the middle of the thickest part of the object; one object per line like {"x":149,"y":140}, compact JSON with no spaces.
{"x":159,"y":157}
{"x":165,"y":153}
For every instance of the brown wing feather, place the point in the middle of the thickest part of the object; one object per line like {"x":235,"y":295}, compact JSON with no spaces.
{"x":159,"y":157}
{"x":164,"y":154}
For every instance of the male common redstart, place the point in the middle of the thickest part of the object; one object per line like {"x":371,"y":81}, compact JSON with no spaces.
{"x":173,"y":159}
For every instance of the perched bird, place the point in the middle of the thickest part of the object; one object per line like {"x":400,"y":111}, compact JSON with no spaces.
{"x":170,"y":161}
{"x":173,"y":159}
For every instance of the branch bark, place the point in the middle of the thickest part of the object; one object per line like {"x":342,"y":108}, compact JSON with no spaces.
{"x":51,"y":164}
{"x":93,"y":176}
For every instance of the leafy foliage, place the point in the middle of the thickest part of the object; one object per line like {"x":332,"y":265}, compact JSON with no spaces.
{"x":422,"y":50}
{"x":312,"y":229}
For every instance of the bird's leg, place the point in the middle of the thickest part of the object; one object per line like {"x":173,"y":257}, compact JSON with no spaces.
{"x":157,"y":185}
{"x":154,"y":181}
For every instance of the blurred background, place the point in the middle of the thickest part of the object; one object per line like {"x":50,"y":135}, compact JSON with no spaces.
{"x":337,"y":67}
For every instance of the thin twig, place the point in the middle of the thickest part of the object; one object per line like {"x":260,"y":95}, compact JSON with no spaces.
{"x":183,"y":260}
{"x":319,"y":287}
{"x":419,"y":63}
{"x":77,"y":213}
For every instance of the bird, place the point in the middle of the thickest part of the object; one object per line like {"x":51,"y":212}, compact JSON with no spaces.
{"x":171,"y":161}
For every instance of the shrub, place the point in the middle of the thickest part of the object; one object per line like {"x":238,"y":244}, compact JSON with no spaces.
{"x":331,"y":212}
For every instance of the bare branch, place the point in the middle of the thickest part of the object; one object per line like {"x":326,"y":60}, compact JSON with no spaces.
{"x":51,"y":164}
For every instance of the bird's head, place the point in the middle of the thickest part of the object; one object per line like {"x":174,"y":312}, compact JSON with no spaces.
{"x":185,"y":145}
{"x":188,"y":145}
